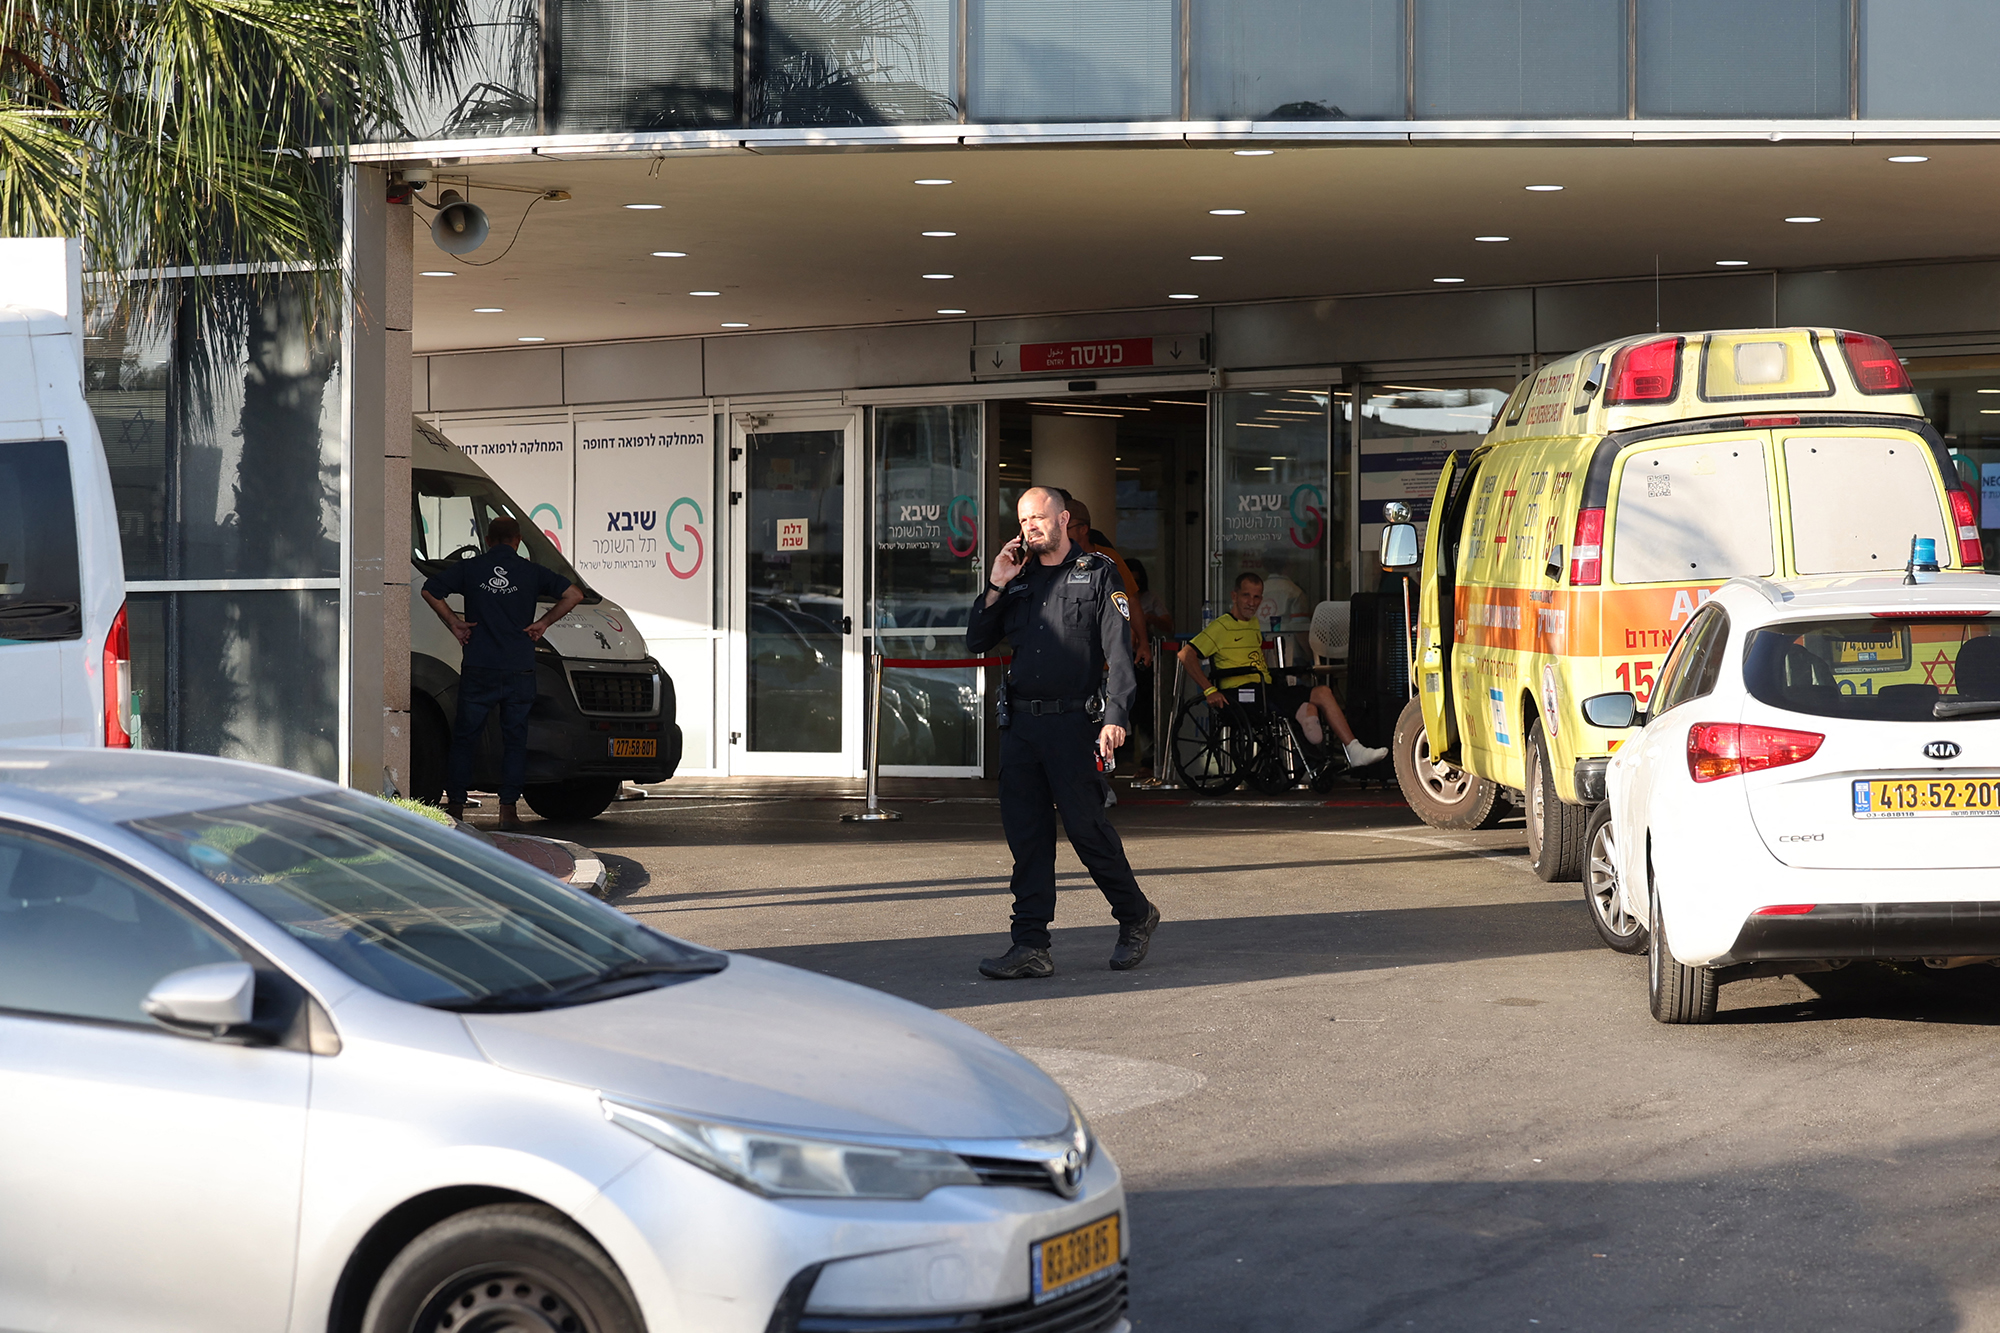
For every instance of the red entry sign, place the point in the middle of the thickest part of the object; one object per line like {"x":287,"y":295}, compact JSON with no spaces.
{"x":1101,"y":354}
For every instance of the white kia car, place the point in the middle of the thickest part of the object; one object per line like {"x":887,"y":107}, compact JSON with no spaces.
{"x":1815,"y":781}
{"x":276,"y":1055}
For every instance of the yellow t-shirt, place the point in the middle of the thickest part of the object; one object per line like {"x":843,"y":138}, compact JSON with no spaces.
{"x":1237,"y":648}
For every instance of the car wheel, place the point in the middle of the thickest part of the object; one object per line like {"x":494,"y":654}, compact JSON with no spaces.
{"x":516,"y":1267}
{"x":1615,"y":925}
{"x":430,"y":751}
{"x":1679,"y":994}
{"x":1555,"y":827}
{"x":1443,"y":795}
{"x":578,"y":799}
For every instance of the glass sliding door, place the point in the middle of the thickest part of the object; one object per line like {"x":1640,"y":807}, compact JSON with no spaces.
{"x":795,"y":599}
{"x":928,"y":565}
{"x":1277,"y":510}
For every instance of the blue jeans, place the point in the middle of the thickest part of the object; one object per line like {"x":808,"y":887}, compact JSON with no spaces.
{"x":480,"y":691}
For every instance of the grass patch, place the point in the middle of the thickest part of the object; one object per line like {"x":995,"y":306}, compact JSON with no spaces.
{"x":429,"y":812}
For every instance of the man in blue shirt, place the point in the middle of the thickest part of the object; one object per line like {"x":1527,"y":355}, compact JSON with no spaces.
{"x":498,"y":632}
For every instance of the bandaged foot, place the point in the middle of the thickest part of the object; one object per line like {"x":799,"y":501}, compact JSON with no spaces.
{"x":1309,"y":720}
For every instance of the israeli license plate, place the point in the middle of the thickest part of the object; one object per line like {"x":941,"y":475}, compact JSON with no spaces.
{"x":1904,"y":798}
{"x":633,"y":748}
{"x":1074,"y":1259}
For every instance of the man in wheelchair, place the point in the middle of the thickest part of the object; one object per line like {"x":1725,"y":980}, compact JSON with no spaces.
{"x":1235,"y":643}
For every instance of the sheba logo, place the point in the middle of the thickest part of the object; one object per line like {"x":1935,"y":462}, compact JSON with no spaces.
{"x":1941,"y":750}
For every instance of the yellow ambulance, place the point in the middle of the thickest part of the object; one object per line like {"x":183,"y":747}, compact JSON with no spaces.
{"x":1616,"y":492}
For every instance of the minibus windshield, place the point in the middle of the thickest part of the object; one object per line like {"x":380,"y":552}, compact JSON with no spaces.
{"x":40,"y":586}
{"x":449,"y":518}
{"x":1875,"y":669}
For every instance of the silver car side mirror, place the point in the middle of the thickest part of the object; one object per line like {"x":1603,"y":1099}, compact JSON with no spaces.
{"x":1399,"y":546}
{"x":1614,"y":712}
{"x":216,"y":996}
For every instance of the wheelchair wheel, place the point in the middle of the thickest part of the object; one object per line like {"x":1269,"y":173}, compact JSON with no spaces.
{"x":1208,"y":749}
{"x":1271,"y":770}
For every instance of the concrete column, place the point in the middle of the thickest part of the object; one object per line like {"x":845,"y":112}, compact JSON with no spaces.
{"x":1080,"y":454}
{"x":378,"y":487}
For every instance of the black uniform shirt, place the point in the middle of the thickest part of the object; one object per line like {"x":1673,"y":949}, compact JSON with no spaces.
{"x":501,"y":590}
{"x":1068,"y":623}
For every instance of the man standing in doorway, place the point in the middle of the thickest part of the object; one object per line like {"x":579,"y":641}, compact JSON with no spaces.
{"x":1068,"y":692}
{"x":1085,"y":538}
{"x":498,"y":632}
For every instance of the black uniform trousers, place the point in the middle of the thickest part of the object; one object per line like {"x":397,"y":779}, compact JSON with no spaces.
{"x":1046,"y":769}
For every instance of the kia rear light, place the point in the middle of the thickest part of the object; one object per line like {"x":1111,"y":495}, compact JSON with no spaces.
{"x":1785,"y":909}
{"x":1647,"y":373}
{"x":1876,"y":367}
{"x":1586,"y":551}
{"x":1971,"y":553}
{"x":1765,"y":423}
{"x":118,"y":685}
{"x":1939,"y":614}
{"x":1727,"y":749}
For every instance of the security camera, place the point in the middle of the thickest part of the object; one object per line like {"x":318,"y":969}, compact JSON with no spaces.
{"x":460,"y":227}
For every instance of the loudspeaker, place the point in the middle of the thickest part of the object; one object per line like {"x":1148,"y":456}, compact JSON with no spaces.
{"x":460,"y":227}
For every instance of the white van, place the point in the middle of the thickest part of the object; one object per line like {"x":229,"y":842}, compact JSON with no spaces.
{"x":604,"y":711}
{"x":65,"y":669}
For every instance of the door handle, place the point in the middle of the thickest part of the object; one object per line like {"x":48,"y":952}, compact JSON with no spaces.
{"x":847,"y":624}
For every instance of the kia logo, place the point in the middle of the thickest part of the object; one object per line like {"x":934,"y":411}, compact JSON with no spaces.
{"x":1941,"y":750}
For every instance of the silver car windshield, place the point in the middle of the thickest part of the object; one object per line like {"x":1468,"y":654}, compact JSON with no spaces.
{"x":420,"y":913}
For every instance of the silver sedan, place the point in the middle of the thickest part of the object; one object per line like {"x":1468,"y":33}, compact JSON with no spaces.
{"x":279,"y":1055}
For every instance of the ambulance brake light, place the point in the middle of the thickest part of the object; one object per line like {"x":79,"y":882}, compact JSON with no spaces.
{"x":1971,"y":553}
{"x":1876,"y":367}
{"x":1646,"y":373}
{"x":118,"y":684}
{"x":1586,"y":551}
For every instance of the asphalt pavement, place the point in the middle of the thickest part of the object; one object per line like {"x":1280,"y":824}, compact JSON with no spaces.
{"x":1374,"y":1076}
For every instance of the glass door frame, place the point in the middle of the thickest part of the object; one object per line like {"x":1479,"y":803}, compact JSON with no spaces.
{"x":737,"y":757}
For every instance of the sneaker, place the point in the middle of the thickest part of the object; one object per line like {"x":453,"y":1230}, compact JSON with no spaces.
{"x":1133,"y":941}
{"x":1360,"y":756}
{"x":1020,"y":962}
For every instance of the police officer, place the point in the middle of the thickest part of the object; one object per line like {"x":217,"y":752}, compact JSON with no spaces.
{"x":498,"y":633}
{"x":1067,"y":616}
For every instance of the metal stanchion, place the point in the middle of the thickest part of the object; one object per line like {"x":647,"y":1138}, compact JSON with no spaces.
{"x":874,"y":812}
{"x":1164,"y":702}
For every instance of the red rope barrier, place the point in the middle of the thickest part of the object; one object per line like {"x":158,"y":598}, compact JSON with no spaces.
{"x":945,"y":661}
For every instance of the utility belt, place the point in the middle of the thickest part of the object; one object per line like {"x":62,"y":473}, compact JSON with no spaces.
{"x":1010,"y":703}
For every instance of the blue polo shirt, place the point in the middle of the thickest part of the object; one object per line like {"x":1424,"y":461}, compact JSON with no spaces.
{"x":501,"y":591}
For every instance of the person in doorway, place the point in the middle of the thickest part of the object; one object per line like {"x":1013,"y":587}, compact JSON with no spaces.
{"x":1159,"y":620}
{"x":1234,"y":640}
{"x":498,"y":632}
{"x":1069,"y":622}
{"x":1086,"y":538}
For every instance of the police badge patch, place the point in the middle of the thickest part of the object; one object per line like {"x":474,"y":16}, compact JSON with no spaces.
{"x":1118,"y":600}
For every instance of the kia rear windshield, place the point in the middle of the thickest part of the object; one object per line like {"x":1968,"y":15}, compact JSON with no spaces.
{"x":421,"y":913}
{"x":40,"y":586}
{"x":1881,"y":670}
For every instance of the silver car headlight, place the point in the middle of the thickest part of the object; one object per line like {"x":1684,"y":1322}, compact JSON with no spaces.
{"x":779,"y":1163}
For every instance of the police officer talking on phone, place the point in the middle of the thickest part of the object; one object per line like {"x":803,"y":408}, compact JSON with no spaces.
{"x":1065,"y":703}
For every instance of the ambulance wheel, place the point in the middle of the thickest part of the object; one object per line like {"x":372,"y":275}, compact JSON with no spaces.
{"x":1555,"y":827}
{"x":1443,"y":795}
{"x":1676,"y":992}
{"x":580,"y":799}
{"x":430,"y":750}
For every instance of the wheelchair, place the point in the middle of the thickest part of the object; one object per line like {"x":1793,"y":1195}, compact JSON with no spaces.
{"x":1217,"y":749}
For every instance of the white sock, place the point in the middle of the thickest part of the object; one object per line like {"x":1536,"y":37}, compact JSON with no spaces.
{"x":1360,"y":756}
{"x":1309,"y":719}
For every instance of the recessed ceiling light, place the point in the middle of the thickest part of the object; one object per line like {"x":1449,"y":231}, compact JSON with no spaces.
{"x":438,"y":273}
{"x":1989,"y":411}
{"x":933,"y":180}
{"x":1908,"y":157}
{"x":489,"y":310}
{"x":704,"y":293}
{"x":1447,"y":279}
{"x":1989,"y":391}
{"x":1731,"y":263}
{"x":1225,"y":212}
{"x":1493,"y":238}
{"x":1182,"y":296}
{"x":531,"y":340}
{"x":1255,"y":152}
{"x":951,"y":312}
{"x":938,"y":276}
{"x":1206,"y":259}
{"x":645,"y":208}
{"x":1545,"y":189}
{"x":940,"y":233}
{"x":735,"y":325}
{"x":1802,"y":219}
{"x":670,"y":254}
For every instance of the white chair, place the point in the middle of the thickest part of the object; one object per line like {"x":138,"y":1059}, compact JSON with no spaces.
{"x":1329,"y":630}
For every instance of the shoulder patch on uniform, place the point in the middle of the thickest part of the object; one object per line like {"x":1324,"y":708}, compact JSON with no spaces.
{"x":1118,"y":600}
